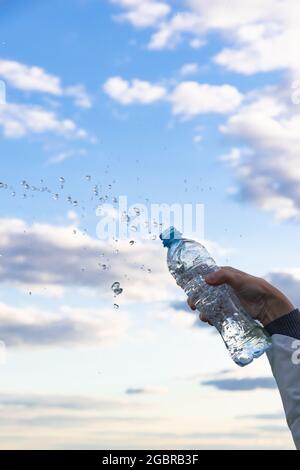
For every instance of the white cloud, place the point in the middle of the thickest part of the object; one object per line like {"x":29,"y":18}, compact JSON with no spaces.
{"x":134,"y":92}
{"x":235,"y":155}
{"x":202,"y":17}
{"x":64,"y":155}
{"x":169,"y":33}
{"x":42,"y":256}
{"x":43,"y":259}
{"x":189,"y":69}
{"x":262,"y":35}
{"x":80,"y":95}
{"x":255,"y":46}
{"x":216,"y":250}
{"x":179,"y":319}
{"x":142,"y":13}
{"x":36,"y":79}
{"x":188,"y":98}
{"x":288,"y":281}
{"x":196,"y":43}
{"x":192,"y":98}
{"x":31,"y":420}
{"x":259,"y":30}
{"x":28,"y":78}
{"x":197,"y":139}
{"x":218,"y":14}
{"x":267,"y":171}
{"x":30,"y":327}
{"x":19,"y":120}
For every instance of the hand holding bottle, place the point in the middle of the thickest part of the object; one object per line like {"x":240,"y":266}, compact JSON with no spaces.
{"x":190,"y":264}
{"x":259,"y":298}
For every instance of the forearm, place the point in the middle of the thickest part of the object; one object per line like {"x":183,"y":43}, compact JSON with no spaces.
{"x":284,"y":358}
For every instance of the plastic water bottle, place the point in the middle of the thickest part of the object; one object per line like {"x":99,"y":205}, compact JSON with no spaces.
{"x":189,"y":263}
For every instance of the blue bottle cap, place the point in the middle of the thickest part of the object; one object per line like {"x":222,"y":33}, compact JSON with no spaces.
{"x":170,"y":235}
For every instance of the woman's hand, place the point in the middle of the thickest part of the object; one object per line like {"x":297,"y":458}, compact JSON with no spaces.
{"x":259,"y":298}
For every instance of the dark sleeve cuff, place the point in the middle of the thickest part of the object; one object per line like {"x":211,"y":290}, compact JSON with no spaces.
{"x":287,"y":325}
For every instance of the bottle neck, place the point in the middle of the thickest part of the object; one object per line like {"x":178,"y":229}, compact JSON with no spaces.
{"x":170,"y":236}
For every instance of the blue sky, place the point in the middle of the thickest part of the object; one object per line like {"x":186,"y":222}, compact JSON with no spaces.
{"x":164,"y":102}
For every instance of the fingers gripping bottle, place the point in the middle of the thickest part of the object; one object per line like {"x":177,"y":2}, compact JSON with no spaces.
{"x":189,"y":263}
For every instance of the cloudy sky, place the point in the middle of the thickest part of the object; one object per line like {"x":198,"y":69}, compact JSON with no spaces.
{"x":182,"y":101}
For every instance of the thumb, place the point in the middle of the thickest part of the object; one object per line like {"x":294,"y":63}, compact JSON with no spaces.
{"x":225,"y":275}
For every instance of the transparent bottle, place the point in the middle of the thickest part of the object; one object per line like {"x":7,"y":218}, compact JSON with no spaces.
{"x":189,"y":263}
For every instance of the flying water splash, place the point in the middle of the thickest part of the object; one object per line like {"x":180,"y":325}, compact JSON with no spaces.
{"x":95,"y":195}
{"x":116,"y":288}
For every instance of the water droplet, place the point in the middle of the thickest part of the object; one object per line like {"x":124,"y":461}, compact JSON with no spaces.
{"x":132,"y":242}
{"x":115,"y":200}
{"x":26,"y":185}
{"x":137,"y":210}
{"x":74,"y":231}
{"x":88,"y":177}
{"x":2,"y":185}
{"x":116,"y":306}
{"x":75,"y":203}
{"x":56,"y":196}
{"x":62,"y":182}
{"x":117,"y":290}
{"x":133,"y":228}
{"x":69,"y":199}
{"x":125,"y":217}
